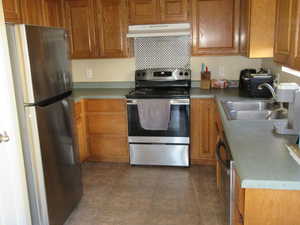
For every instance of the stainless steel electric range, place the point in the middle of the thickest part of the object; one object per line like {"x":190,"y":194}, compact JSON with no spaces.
{"x":158,"y":117}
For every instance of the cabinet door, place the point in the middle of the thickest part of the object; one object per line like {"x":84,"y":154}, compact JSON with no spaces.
{"x":12,"y":11}
{"x":81,"y":131}
{"x":283,"y":31}
{"x":245,"y":26}
{"x":108,"y":148}
{"x":107,"y":130}
{"x":33,"y":11}
{"x":203,"y":131}
{"x":215,"y":27}
{"x":174,"y":11}
{"x":296,"y":41}
{"x":80,"y":22}
{"x":112,"y":28}
{"x":81,"y":140}
{"x":144,"y":11}
{"x":53,"y":13}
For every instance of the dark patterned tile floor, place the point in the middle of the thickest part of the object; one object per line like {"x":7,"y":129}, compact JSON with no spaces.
{"x":118,"y":194}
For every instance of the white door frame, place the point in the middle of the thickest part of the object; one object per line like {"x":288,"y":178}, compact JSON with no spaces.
{"x":14,"y":201}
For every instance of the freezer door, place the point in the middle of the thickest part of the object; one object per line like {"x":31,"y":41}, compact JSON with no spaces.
{"x":49,"y":61}
{"x":60,"y":159}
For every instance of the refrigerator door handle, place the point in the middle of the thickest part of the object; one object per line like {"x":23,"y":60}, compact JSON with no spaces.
{"x":64,"y":75}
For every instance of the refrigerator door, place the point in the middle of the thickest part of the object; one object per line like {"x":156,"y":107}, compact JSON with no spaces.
{"x":47,"y":50}
{"x":62,"y":172}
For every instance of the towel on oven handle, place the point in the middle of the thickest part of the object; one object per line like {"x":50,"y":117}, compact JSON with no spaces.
{"x":154,"y":114}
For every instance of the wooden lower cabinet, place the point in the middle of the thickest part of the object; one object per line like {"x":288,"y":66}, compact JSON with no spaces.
{"x":102,"y":130}
{"x":265,"y":206}
{"x":203,"y":131}
{"x":106,"y":123}
{"x":108,"y":148}
{"x":81,"y":131}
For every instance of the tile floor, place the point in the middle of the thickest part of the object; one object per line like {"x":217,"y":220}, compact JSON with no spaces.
{"x":118,"y":194}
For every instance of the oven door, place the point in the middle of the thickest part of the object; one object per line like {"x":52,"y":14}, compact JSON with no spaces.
{"x":177,"y":132}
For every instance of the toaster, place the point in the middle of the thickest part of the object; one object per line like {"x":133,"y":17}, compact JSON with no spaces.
{"x":250,"y":80}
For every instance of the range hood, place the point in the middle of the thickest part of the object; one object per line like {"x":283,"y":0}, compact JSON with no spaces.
{"x":159,"y":30}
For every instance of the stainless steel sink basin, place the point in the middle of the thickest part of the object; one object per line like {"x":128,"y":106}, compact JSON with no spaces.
{"x":253,"y":110}
{"x":249,"y":105}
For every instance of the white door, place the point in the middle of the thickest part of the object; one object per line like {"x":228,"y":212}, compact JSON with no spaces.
{"x":14,"y":204}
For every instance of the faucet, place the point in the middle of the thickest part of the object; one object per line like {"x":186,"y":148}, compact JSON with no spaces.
{"x":268,"y":86}
{"x":281,"y":109}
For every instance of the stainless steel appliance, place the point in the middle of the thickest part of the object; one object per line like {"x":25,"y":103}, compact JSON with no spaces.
{"x":250,"y":80}
{"x":168,"y":147}
{"x":226,"y":165}
{"x":43,"y":83}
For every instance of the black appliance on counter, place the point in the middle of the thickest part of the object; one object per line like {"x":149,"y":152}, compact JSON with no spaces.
{"x":169,"y":147}
{"x":250,"y":80}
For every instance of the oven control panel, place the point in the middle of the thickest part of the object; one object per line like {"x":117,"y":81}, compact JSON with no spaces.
{"x":163,"y":74}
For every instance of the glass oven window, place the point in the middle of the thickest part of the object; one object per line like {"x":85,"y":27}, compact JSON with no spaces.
{"x":178,"y":125}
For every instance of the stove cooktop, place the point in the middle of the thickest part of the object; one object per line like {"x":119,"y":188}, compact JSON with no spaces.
{"x":159,"y":93}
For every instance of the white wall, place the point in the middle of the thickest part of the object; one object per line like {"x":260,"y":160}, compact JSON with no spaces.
{"x":107,"y":70}
{"x":14,"y":202}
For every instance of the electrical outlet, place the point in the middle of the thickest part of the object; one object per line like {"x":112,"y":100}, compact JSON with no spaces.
{"x":89,"y":73}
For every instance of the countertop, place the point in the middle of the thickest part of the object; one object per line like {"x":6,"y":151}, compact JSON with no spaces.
{"x":260,"y":156}
{"x":98,"y":93}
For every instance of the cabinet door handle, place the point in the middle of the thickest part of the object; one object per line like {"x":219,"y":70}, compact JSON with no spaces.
{"x":218,"y":155}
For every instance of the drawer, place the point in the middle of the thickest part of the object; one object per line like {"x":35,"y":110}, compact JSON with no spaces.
{"x":105,"y":105}
{"x":108,"y":148}
{"x":107,"y":123}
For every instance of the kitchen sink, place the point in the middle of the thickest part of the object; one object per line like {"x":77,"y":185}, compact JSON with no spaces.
{"x":253,"y":110}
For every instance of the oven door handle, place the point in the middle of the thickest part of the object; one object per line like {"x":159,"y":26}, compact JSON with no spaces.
{"x":225,"y":163}
{"x":172,"y":101}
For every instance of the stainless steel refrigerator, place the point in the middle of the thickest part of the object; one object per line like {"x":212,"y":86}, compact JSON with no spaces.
{"x":43,"y":85}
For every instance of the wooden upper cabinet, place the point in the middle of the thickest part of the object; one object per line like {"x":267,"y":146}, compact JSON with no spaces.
{"x":296,"y":39}
{"x":158,"y":11}
{"x":287,"y":34}
{"x":33,"y":12}
{"x":215,"y":27}
{"x":12,"y":11}
{"x":257,"y":18}
{"x":53,"y":10}
{"x":143,"y":11}
{"x":80,"y":22}
{"x":245,"y":27}
{"x":112,"y":28}
{"x":174,"y":11}
{"x":283,"y":33}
